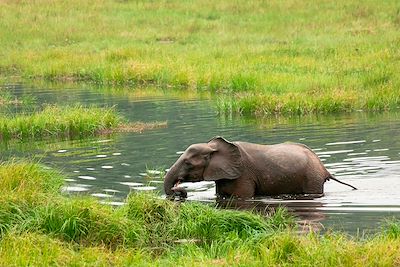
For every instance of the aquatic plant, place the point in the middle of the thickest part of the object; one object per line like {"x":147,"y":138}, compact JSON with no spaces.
{"x":55,"y":121}
{"x":7,"y":99}
{"x":139,"y":126}
{"x":68,"y":122}
{"x":308,"y":103}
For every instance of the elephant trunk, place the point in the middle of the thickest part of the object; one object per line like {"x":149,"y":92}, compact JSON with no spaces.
{"x":171,"y":178}
{"x":169,"y":182}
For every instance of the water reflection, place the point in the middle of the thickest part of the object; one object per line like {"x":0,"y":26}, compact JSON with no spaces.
{"x":307,"y":212}
{"x":360,"y":148}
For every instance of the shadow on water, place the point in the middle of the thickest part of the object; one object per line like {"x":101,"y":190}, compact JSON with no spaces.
{"x":359,"y":148}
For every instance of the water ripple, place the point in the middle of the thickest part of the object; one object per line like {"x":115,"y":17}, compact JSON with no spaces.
{"x":358,"y":148}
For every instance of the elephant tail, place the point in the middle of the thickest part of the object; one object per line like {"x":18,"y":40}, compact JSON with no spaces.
{"x":334,"y":179}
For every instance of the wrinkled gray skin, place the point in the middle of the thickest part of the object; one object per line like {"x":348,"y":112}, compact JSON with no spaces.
{"x":245,"y":170}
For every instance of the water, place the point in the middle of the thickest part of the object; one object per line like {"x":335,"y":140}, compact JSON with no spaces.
{"x":360,"y":148}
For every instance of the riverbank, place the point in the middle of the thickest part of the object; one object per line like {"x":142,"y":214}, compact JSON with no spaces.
{"x":40,"y":226}
{"x":257,"y":57}
{"x":68,"y":122}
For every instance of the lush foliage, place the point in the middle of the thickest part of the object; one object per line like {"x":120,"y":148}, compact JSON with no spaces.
{"x":260,"y":56}
{"x":55,"y":121}
{"x":38,"y":226}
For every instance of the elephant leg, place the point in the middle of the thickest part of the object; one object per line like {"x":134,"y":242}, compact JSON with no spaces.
{"x":236,"y":188}
{"x":314,"y":185}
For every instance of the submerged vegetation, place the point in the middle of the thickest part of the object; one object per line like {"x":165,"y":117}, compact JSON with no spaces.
{"x":76,"y":121}
{"x":7,"y":99}
{"x":39,"y":226}
{"x":258,"y":56}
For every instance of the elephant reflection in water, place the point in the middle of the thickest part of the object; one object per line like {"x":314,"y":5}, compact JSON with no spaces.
{"x":245,"y":170}
{"x":306,"y":212}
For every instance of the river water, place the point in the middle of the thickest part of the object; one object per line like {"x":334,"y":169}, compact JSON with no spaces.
{"x":361,"y":148}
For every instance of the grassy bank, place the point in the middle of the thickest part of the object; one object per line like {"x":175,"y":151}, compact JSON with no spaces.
{"x":302,"y":103}
{"x":41,"y":227}
{"x":260,"y":57}
{"x":68,"y":122}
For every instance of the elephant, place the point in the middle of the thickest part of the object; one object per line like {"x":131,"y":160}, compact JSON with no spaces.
{"x":245,"y":170}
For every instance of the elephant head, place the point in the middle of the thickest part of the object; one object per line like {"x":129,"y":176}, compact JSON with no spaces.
{"x":212,"y":161}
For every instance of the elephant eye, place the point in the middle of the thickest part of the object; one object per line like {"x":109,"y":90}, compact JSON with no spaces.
{"x":188,"y":164}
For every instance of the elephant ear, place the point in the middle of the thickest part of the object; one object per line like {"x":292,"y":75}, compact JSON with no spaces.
{"x":225,"y":161}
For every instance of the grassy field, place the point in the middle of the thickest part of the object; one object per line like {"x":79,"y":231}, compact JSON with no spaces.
{"x":68,"y":122}
{"x":39,"y":226}
{"x":259,"y":57}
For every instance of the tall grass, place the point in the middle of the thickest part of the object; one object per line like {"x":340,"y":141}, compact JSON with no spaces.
{"x":19,"y":179}
{"x":53,"y":121}
{"x":379,"y":99}
{"x":283,"y":249}
{"x":50,"y":229}
{"x":24,"y":185}
{"x":273,"y":56}
{"x":68,"y":122}
{"x":146,"y":219}
{"x":164,"y":222}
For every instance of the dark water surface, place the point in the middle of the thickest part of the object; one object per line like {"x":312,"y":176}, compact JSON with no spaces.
{"x":361,"y":149}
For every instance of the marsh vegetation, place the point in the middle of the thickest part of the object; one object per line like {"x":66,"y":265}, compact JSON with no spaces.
{"x":68,"y":122}
{"x":251,"y":57}
{"x":259,"y":57}
{"x":41,"y":226}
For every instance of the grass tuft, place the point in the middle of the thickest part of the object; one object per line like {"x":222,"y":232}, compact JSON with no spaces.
{"x":27,"y":180}
{"x":51,"y":229}
{"x":68,"y":122}
{"x":53,"y":121}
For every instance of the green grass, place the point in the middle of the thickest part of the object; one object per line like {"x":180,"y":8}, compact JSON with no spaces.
{"x":27,"y":180}
{"x":39,"y":226}
{"x":68,"y":122}
{"x":379,"y":99}
{"x":7,"y":99}
{"x":53,"y":121}
{"x":259,"y":56}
